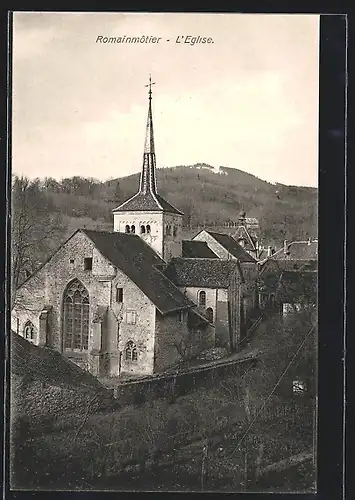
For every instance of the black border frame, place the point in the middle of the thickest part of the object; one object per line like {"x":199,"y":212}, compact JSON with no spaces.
{"x":332,"y":218}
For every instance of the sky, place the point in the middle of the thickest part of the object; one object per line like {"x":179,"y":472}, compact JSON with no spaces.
{"x":249,"y":100}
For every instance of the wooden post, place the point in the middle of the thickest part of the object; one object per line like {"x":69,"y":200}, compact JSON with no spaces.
{"x":259,"y":459}
{"x":245,"y":470}
{"x":204,"y":464}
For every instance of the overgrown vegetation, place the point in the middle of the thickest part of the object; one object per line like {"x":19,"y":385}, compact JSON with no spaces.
{"x":242,"y":419}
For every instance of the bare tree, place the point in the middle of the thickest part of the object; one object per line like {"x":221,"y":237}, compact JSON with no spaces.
{"x":36,"y":230}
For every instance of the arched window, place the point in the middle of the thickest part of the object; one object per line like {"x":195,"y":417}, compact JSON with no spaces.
{"x":148,"y":228}
{"x":168,"y":229}
{"x":127,"y":230}
{"x":76,"y":317}
{"x":29,"y":331}
{"x":142,"y":229}
{"x":209,"y":314}
{"x":131,"y":351}
{"x":133,"y":229}
{"x":202,"y":298}
{"x":174,"y":230}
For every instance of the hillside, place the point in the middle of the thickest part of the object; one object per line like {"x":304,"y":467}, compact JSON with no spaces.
{"x":205,"y":197}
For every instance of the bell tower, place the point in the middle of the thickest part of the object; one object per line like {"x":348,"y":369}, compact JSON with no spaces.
{"x":146,"y":213}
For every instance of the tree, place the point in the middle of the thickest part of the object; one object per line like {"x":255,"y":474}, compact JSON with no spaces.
{"x":36,"y":231}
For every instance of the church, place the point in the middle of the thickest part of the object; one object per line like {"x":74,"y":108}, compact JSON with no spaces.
{"x":139,"y":299}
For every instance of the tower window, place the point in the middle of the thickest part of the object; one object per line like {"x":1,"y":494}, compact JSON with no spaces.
{"x":131,"y":351}
{"x":168,"y":230}
{"x":202,"y":298}
{"x":174,"y":230}
{"x":87,"y":263}
{"x":133,"y":229}
{"x":29,"y":331}
{"x":127,"y":229}
{"x":209,"y":314}
{"x":119,"y":294}
{"x":142,"y":229}
{"x":148,"y":228}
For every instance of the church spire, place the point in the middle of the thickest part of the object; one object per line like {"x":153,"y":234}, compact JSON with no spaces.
{"x":148,"y":183}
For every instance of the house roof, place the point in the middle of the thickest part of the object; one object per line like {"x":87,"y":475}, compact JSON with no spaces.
{"x":207,"y":273}
{"x":230,"y":244}
{"x":298,"y":250}
{"x":293,"y":285}
{"x":197,"y":249}
{"x":137,"y":260}
{"x":47,"y":365}
{"x":147,"y":202}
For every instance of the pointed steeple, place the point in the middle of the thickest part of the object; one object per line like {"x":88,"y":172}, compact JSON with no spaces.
{"x":148,"y":182}
{"x":147,"y":198}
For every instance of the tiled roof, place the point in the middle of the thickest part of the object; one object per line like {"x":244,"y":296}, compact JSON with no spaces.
{"x":293,"y":285}
{"x":208,"y":273}
{"x":229,"y":243}
{"x":47,"y":365}
{"x":197,"y":249}
{"x":298,"y":250}
{"x":137,"y":260}
{"x":146,"y":202}
{"x":243,"y":233}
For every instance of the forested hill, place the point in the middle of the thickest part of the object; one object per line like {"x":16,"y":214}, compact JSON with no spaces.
{"x":207,"y":196}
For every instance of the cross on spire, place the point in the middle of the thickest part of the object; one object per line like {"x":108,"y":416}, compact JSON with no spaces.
{"x":150,"y":86}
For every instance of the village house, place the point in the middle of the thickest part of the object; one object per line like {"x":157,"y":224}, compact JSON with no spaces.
{"x":288,"y":278}
{"x":138,"y":299}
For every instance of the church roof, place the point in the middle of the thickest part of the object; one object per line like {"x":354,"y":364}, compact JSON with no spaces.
{"x":208,"y":273}
{"x":137,"y":260}
{"x":229,"y":243}
{"x":147,"y":198}
{"x":147,"y":203}
{"x":197,"y":249}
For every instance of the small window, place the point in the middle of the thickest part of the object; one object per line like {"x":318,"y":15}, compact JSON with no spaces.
{"x":148,"y":228}
{"x":202,"y":298}
{"x":119,"y":294}
{"x":71,"y":261}
{"x":87,"y":263}
{"x":142,"y":229}
{"x":209,"y":314}
{"x":168,"y":230}
{"x":131,"y":353}
{"x":133,"y":229}
{"x":181,"y":316}
{"x":174,"y":230}
{"x":127,"y":229}
{"x":131,"y":317}
{"x":29,"y":331}
{"x":298,"y":387}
